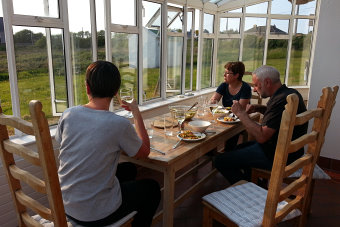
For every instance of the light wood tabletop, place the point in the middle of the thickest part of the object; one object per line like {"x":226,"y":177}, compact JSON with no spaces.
{"x":186,"y":153}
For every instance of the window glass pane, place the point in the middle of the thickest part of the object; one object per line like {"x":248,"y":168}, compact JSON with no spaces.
{"x":175,"y":20}
{"x":36,"y":8}
{"x":279,"y":27}
{"x":281,"y":7}
{"x":239,"y":10}
{"x":300,"y":52}
{"x":227,"y":50}
{"x":124,"y":56}
{"x":81,"y":46}
{"x":230,"y":25}
{"x":277,"y":55}
{"x":258,"y":8}
{"x":59,"y":70}
{"x":100,"y":30}
{"x":206,"y":63}
{"x":189,"y":59}
{"x":208,"y":25}
{"x":253,"y":43}
{"x":305,"y":7}
{"x":32,"y":69}
{"x":123,"y":12}
{"x":151,"y":49}
{"x":175,"y":48}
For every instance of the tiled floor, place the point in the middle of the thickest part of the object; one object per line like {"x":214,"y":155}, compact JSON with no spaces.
{"x":325,"y":204}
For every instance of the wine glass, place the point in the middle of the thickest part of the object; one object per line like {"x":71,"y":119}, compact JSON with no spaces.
{"x":213,"y":106}
{"x":126,"y":94}
{"x":180,"y":116}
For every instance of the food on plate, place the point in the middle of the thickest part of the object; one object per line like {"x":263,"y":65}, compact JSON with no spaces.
{"x":228,"y":108}
{"x":219,"y":111}
{"x":229,"y":119}
{"x":189,"y":135}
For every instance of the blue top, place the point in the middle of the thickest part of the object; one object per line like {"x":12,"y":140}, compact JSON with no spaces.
{"x":227,"y":98}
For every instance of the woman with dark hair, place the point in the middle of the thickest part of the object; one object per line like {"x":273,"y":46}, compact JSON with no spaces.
{"x":233,"y":88}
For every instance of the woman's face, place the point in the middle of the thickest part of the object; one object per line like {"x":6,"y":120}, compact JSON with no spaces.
{"x":229,"y":76}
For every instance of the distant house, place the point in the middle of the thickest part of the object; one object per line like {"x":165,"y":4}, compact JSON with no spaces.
{"x":2,"y":31}
{"x":261,"y":30}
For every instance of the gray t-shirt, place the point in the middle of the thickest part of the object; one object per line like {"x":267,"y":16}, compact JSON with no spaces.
{"x":90,"y":144}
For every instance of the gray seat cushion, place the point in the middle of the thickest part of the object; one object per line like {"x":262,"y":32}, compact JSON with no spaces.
{"x":317,"y":174}
{"x":244,"y":204}
{"x":70,"y":223}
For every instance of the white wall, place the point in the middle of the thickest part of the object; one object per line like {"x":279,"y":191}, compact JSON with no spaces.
{"x":326,"y":70}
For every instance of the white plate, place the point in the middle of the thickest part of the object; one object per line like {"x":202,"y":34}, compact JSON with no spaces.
{"x":221,"y":119}
{"x":202,"y":136}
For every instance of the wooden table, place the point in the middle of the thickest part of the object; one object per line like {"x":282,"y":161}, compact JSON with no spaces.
{"x":185,"y":154}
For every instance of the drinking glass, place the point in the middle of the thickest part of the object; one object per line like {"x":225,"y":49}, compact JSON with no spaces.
{"x":180,"y":117}
{"x":168,"y":130}
{"x":148,"y":126}
{"x":213,"y":106}
{"x":126,"y":94}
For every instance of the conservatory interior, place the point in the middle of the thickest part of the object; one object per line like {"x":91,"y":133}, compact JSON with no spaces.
{"x":168,"y":52}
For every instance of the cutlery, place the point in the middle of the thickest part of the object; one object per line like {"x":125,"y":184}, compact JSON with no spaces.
{"x":158,"y":151}
{"x":193,"y":106}
{"x":176,"y":145}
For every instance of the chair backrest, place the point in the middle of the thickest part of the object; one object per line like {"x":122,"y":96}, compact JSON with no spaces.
{"x":314,"y":140}
{"x":44,"y":158}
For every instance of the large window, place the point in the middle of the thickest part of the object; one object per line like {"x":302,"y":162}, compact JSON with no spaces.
{"x":157,"y":58}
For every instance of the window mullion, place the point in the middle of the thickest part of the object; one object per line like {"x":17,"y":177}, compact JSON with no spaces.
{"x":12,"y":71}
{"x":164,"y":63}
{"x":184,"y":53}
{"x":67,"y":39}
{"x":140,"y":52}
{"x":93,"y":30}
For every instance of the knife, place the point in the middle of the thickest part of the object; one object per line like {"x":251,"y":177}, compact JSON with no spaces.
{"x":158,"y":151}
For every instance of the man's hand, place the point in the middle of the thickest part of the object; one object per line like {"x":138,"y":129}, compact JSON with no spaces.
{"x":250,"y":109}
{"x":237,"y":108}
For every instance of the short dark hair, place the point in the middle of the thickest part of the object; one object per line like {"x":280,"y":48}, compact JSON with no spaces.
{"x":103,"y":79}
{"x":236,"y":67}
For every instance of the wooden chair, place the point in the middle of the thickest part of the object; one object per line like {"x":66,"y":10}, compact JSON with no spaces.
{"x":44,"y":158}
{"x":318,"y":173}
{"x":250,"y":205}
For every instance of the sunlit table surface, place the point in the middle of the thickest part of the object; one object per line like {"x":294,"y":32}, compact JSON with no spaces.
{"x":180,"y":157}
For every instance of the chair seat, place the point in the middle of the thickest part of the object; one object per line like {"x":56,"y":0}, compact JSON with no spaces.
{"x":244,"y":204}
{"x":317,"y":174}
{"x":71,"y":223}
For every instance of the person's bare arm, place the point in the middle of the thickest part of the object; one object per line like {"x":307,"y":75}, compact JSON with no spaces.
{"x":244,"y":102}
{"x":260,"y":133}
{"x":216,"y":96}
{"x":253,"y":108}
{"x":144,"y":150}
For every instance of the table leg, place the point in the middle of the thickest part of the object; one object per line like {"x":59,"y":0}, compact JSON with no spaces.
{"x":169,"y":197}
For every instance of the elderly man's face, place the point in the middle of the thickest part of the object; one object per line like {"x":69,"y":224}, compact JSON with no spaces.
{"x":259,"y":86}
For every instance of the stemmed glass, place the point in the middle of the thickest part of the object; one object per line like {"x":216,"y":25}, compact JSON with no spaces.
{"x":126,"y":94}
{"x":213,"y":106}
{"x":180,"y":116}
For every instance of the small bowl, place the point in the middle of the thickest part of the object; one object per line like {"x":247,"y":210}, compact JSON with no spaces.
{"x":199,"y":126}
{"x":189,"y":115}
{"x":220,"y":112}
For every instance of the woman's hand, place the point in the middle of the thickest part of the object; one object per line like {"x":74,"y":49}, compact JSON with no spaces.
{"x":130,"y":106}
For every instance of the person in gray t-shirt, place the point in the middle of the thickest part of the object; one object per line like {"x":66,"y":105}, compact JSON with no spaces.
{"x":91,"y":139}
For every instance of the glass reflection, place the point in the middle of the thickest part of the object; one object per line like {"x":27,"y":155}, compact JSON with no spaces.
{"x":206,"y":63}
{"x":208,"y":24}
{"x":175,"y":47}
{"x":300,"y":52}
{"x":230,"y":25}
